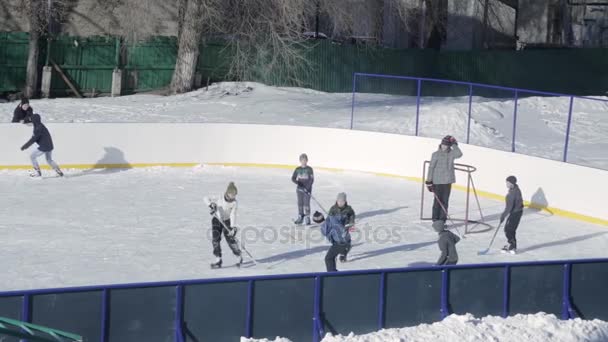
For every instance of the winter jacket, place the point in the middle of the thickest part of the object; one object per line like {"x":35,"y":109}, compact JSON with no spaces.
{"x":346,"y":214}
{"x":41,"y":136}
{"x":304,"y":176}
{"x":514,"y":202}
{"x":226,"y":210}
{"x":335,"y":232}
{"x":447,"y":245}
{"x":22,"y":115}
{"x":441,"y":170}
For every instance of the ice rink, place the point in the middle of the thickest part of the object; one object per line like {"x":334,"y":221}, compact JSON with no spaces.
{"x":109,"y":226}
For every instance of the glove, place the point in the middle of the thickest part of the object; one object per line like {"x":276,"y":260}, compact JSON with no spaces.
{"x":232,"y":232}
{"x":22,"y":148}
{"x":300,"y":184}
{"x":453,"y":141}
{"x":430,"y":186}
{"x":212,"y":209}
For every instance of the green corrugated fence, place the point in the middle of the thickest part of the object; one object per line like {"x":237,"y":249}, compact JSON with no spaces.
{"x":89,"y":63}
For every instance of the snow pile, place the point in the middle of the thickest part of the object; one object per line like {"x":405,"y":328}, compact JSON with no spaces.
{"x":541,"y":121}
{"x":539,"y":327}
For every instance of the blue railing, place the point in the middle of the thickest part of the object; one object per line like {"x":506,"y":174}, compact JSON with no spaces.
{"x":308,"y":305}
{"x":416,"y":86}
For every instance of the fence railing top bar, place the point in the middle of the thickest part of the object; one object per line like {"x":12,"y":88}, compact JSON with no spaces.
{"x":93,"y":288}
{"x":481,"y":85}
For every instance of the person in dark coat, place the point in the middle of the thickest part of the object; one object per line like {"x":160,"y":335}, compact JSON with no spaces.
{"x":303,"y":176}
{"x":514,"y":209}
{"x":23,"y":113}
{"x":42,"y":137}
{"x":441,"y":176}
{"x":346,"y":215}
{"x":337,"y":234}
{"x":447,"y":244}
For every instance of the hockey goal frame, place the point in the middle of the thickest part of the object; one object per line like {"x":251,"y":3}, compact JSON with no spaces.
{"x":469,"y":170}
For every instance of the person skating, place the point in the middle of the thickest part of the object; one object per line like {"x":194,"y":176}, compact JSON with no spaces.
{"x":43,"y":138}
{"x":346,"y":215}
{"x":514,"y":209}
{"x":23,"y":113}
{"x":224,"y":208}
{"x":441,"y":175}
{"x":337,"y":234}
{"x":303,"y":177}
{"x":447,"y":244}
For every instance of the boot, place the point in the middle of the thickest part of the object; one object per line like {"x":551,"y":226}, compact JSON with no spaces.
{"x":59,"y":172}
{"x":299,"y":220}
{"x":35,"y":173}
{"x":307,"y":220}
{"x":217,"y":263}
{"x":239,"y":261}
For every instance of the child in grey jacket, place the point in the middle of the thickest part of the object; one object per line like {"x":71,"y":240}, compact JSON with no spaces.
{"x":447,"y":244}
{"x":441,"y":175}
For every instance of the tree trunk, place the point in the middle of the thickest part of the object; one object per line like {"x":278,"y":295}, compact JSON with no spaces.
{"x":180,"y":17}
{"x":31,"y":78}
{"x":188,"y":44}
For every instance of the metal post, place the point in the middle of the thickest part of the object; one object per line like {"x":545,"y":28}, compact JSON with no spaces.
{"x":317,"y":324}
{"x":505,"y":293}
{"x":179,"y":314}
{"x":249,"y":320}
{"x":470,"y":104}
{"x":423,"y":189}
{"x":26,"y":305}
{"x":418,"y":105}
{"x":381,"y":301}
{"x":352,"y":111}
{"x":568,"y":129}
{"x":466,"y":213}
{"x":105,"y":314}
{"x":567,"y":310}
{"x":445,"y":310}
{"x":514,"y":123}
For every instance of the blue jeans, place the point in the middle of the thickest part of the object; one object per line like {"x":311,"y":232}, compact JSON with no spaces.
{"x":49,"y":159}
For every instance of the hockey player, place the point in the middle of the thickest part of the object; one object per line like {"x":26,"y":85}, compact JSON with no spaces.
{"x":441,"y":175}
{"x":337,"y":234}
{"x":42,"y":137}
{"x":224,"y":208}
{"x":513,"y":210}
{"x":447,"y":244}
{"x":303,"y":177}
{"x":346,"y":216}
{"x":23,"y":113}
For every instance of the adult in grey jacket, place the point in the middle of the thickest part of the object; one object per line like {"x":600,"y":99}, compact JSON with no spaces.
{"x":441,"y":175}
{"x":447,"y":244}
{"x":514,"y":209}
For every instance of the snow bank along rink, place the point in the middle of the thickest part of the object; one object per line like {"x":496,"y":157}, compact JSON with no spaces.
{"x":100,"y":226}
{"x":466,"y":328}
{"x":541,"y":121}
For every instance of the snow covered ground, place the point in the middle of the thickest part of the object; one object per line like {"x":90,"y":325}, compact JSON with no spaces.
{"x":150,"y":224}
{"x":466,"y":328}
{"x":540,"y":129}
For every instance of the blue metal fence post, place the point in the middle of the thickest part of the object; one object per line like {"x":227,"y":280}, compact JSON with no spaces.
{"x":418,"y":105}
{"x":567,"y":310}
{"x":470,"y":104}
{"x":514,"y":123}
{"x":505,"y":292}
{"x":445,"y":283}
{"x":105,"y":314}
{"x":317,"y":323}
{"x":352,"y":110}
{"x":179,"y":313}
{"x":26,"y":306}
{"x":568,"y":129}
{"x":249,"y":319}
{"x":381,"y":301}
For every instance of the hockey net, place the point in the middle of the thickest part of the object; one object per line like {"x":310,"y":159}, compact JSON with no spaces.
{"x":470,"y":225}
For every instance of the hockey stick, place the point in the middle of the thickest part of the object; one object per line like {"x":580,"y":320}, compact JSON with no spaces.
{"x":313,"y":198}
{"x":447,"y":215}
{"x":484,"y":252}
{"x":236,"y":240}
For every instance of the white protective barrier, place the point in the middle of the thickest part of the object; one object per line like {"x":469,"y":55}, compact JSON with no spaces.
{"x":566,"y":189}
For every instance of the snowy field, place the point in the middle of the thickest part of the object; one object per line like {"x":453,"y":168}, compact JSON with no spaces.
{"x":541,"y":121}
{"x":139,"y":225}
{"x":466,"y":328}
